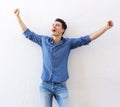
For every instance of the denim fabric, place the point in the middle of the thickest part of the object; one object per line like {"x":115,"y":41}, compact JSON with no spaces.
{"x":55,"y":56}
{"x":57,"y":90}
{"x":55,"y":70}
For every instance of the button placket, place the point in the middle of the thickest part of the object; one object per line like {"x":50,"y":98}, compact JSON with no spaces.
{"x":53,"y":60}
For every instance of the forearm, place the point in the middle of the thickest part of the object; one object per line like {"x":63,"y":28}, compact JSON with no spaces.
{"x":98,"y":33}
{"x":21,"y":23}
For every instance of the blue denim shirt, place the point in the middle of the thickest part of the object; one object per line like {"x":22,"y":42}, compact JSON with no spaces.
{"x":55,"y":56}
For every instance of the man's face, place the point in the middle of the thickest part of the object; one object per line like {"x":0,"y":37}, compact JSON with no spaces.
{"x":57,"y":29}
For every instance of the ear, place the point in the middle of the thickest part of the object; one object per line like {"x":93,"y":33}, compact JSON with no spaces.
{"x":63,"y":30}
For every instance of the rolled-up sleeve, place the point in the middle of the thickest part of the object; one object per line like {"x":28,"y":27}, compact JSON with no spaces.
{"x":33,"y":36}
{"x":77,"y":42}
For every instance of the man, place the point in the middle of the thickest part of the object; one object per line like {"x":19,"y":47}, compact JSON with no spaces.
{"x":55,"y":50}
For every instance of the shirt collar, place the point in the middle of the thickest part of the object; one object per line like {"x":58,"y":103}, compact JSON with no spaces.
{"x":51,"y":41}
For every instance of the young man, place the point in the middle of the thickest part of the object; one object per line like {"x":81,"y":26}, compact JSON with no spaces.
{"x":55,"y":50}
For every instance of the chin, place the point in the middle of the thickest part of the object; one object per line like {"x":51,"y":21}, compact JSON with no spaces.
{"x":53,"y":34}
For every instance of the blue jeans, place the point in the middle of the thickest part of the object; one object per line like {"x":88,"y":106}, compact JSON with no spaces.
{"x":57,"y":90}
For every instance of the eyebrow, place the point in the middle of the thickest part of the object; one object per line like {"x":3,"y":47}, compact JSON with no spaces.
{"x":56,"y":24}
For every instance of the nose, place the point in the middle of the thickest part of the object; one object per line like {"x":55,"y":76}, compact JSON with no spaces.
{"x":53,"y":26}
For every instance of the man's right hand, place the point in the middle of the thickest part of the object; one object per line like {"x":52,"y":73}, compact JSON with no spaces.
{"x":22,"y":25}
{"x":17,"y":12}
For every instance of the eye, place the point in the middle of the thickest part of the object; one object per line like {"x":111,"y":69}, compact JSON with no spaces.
{"x":57,"y":25}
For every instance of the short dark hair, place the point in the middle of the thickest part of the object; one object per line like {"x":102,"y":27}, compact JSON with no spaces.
{"x":64,"y":25}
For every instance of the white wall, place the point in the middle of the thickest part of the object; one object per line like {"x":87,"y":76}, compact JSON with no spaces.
{"x":94,"y":69}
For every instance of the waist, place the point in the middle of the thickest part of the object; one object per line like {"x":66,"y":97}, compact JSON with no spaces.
{"x":54,"y":83}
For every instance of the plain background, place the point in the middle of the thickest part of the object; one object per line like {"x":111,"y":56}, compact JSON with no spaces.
{"x":94,"y":69}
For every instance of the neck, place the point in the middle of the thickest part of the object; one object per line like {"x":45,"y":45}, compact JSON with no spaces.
{"x":56,"y":39}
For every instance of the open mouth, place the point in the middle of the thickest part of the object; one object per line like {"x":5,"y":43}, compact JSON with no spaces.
{"x":53,"y":30}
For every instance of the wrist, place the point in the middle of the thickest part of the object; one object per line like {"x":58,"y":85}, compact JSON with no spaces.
{"x":106,"y":28}
{"x":17,"y":16}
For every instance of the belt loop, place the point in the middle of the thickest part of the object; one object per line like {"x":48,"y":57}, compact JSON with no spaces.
{"x":53,"y":85}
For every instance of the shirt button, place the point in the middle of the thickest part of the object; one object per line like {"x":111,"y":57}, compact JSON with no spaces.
{"x":53,"y":49}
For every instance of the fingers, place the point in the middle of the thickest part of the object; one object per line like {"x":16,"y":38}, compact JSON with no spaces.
{"x":110,"y":23}
{"x":16,"y":12}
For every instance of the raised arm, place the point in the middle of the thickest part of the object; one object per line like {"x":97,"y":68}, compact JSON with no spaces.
{"x":98,"y":33}
{"x":21,"y":23}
